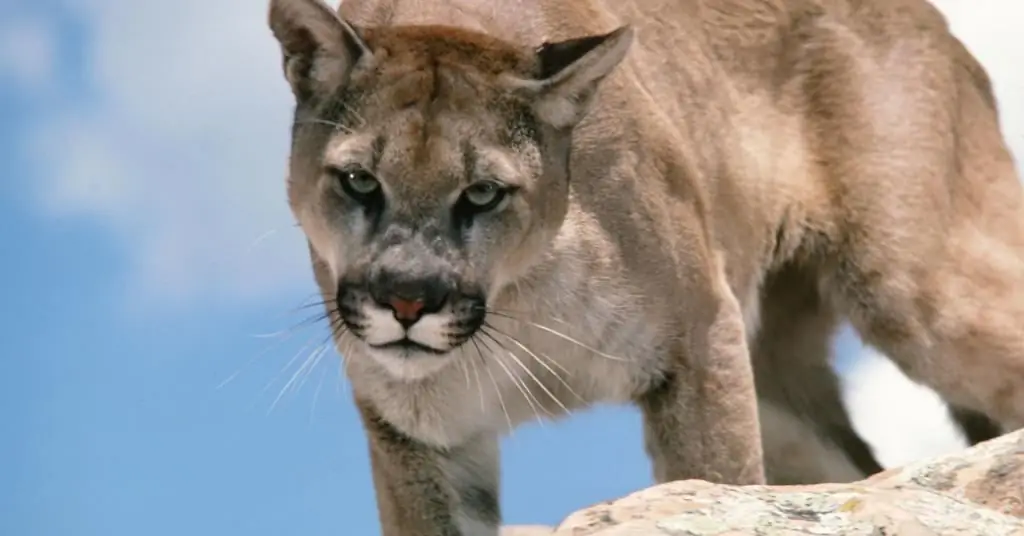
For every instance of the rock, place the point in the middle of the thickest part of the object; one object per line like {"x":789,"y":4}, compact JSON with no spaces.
{"x":990,"y":474}
{"x":979,"y":491}
{"x":696,"y":508}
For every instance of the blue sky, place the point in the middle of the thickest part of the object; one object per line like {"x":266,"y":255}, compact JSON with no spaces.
{"x":149,"y":256}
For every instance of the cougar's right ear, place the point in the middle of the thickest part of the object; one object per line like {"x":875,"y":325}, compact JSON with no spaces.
{"x":569,"y":74}
{"x":319,"y":47}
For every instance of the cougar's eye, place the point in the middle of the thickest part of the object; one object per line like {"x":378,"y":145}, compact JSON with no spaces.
{"x":484,"y":195}
{"x":357,"y":183}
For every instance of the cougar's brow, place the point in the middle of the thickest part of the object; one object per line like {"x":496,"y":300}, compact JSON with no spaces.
{"x":353,"y":148}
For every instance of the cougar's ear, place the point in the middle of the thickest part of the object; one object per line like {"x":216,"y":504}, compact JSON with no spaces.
{"x":570,"y":72}
{"x":319,"y":47}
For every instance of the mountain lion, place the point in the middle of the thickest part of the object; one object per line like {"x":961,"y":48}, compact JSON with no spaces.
{"x":517,"y":209}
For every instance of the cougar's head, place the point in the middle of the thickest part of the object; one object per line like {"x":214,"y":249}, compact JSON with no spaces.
{"x":429,"y":168}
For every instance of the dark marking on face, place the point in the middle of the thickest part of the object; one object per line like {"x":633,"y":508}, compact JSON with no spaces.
{"x":469,"y":161}
{"x":349,"y":308}
{"x":435,"y":89}
{"x":379,"y":143}
{"x":469,"y":314}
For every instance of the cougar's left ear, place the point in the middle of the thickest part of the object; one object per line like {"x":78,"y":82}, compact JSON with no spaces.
{"x":320,"y":49}
{"x":570,"y":72}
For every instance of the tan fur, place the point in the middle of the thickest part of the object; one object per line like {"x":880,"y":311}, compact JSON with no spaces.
{"x":739,"y":171}
{"x":795,"y":454}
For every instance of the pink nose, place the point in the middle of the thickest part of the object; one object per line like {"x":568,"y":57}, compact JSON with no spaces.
{"x":408,"y":310}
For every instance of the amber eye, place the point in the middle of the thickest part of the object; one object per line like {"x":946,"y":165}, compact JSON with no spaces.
{"x":357,"y":183}
{"x":484,"y":195}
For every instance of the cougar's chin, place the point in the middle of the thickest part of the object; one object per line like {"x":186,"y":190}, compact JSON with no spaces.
{"x":410,"y":361}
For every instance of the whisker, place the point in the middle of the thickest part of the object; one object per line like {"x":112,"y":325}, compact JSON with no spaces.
{"x":536,"y":380}
{"x":314,"y":356}
{"x":315,"y":121}
{"x":338,"y":328}
{"x":542,"y":363}
{"x":316,"y":393}
{"x":519,"y":383}
{"x":463,"y":365}
{"x":490,"y":309}
{"x":306,"y":304}
{"x":309,"y":321}
{"x":249,"y":363}
{"x":287,"y":335}
{"x":340,"y":340}
{"x":497,"y":391}
{"x":321,"y":303}
{"x":561,"y":336}
{"x":259,"y":239}
{"x":282,"y":336}
{"x":342,"y":372}
{"x":476,"y":372}
{"x":288,"y":364}
{"x":558,"y":365}
{"x":321,"y":352}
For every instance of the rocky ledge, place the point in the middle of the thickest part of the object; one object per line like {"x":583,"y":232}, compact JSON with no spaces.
{"x":979,"y":491}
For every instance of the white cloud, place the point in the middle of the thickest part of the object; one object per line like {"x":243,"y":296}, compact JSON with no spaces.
{"x":182,"y":151}
{"x":27,"y":47}
{"x":903,"y":421}
{"x":91,"y":171}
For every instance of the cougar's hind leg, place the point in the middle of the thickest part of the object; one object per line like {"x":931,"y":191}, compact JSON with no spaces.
{"x":791,"y":354}
{"x":976,"y":427}
{"x":927,"y":259}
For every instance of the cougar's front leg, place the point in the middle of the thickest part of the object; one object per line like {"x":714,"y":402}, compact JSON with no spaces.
{"x":701,"y":422}
{"x":429,"y":491}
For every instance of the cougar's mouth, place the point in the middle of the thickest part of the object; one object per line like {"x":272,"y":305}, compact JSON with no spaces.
{"x":408,"y":346}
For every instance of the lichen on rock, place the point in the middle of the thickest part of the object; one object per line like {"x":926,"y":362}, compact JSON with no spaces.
{"x":979,"y":491}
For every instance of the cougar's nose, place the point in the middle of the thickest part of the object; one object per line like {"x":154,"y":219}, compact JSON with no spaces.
{"x":409,"y":298}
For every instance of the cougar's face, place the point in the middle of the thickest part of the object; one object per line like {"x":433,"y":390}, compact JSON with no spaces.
{"x":425,"y":193}
{"x":429,"y":169}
